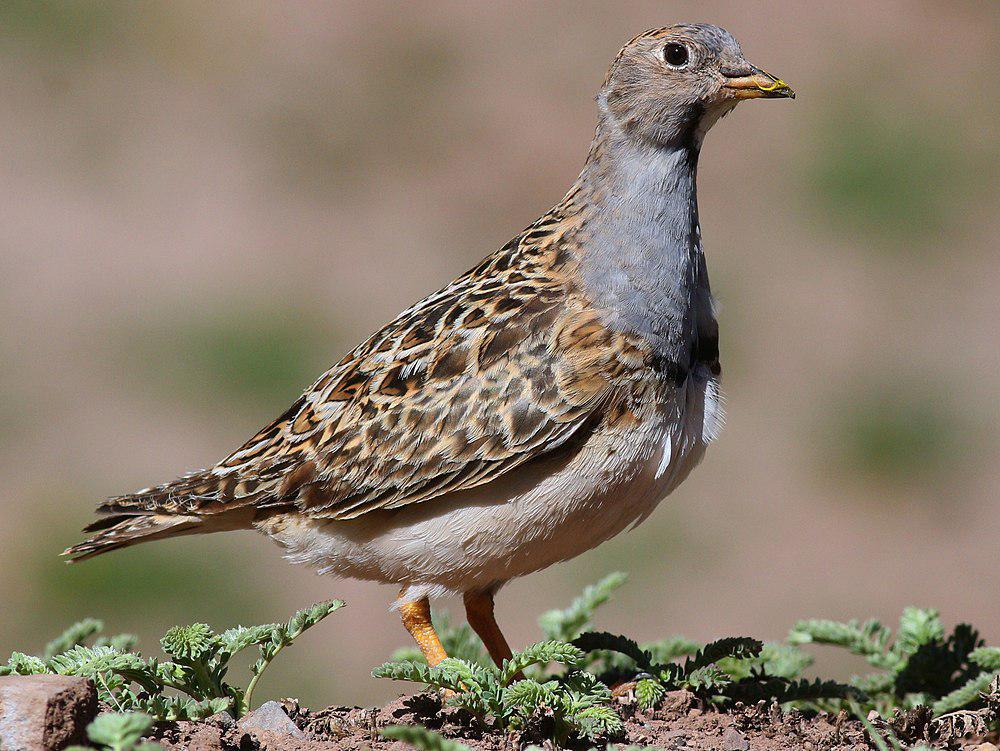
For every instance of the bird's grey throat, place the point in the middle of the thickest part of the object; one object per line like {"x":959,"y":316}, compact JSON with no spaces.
{"x":646,"y":264}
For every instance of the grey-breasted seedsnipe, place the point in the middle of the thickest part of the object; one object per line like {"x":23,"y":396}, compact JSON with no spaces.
{"x":533,"y":408}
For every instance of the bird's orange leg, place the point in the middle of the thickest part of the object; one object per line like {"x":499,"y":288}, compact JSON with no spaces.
{"x":479,"y":613}
{"x":417,"y":620}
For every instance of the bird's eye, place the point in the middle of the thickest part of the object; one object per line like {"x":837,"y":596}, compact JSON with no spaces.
{"x":676,"y":54}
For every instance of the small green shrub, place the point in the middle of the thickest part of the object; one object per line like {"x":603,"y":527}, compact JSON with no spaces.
{"x":574,"y":704}
{"x":920,"y":666}
{"x":196,"y":671}
{"x":570,"y":622}
{"x":119,"y":731}
{"x":421,"y":738}
{"x":730,"y":669}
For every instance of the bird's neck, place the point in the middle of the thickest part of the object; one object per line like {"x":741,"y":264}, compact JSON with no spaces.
{"x":642,"y":261}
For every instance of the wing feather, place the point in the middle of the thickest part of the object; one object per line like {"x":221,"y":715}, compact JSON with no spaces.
{"x":504,"y":365}
{"x":491,"y":372}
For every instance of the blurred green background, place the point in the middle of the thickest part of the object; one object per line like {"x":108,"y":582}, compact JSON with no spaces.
{"x":204,"y":205}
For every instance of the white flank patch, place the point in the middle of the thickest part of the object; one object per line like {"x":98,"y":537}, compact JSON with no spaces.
{"x":668,"y":450}
{"x":714,"y":416}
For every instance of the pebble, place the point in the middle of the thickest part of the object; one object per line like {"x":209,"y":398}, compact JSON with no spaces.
{"x":221,"y":720}
{"x":734,"y":740}
{"x":270,"y":717}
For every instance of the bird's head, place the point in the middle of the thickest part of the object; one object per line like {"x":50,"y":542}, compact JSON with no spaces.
{"x":670,"y":85}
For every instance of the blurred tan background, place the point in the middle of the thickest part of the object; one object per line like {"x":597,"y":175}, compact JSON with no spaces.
{"x":202,"y":205}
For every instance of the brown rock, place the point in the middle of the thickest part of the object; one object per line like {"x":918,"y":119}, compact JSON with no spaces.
{"x":44,"y":712}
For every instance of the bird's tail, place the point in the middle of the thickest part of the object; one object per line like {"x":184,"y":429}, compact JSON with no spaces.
{"x":121,"y":530}
{"x":194,"y":504}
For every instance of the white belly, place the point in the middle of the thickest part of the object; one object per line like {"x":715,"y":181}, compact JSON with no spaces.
{"x":530,"y":518}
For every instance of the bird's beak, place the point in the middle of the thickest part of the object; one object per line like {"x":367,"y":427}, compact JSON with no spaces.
{"x":754,"y":83}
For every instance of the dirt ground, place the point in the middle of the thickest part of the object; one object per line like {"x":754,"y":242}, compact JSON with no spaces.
{"x":679,"y":724}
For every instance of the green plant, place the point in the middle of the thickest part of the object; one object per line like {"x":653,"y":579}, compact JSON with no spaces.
{"x":421,"y":738}
{"x":575,"y":704}
{"x":727,"y":670}
{"x":730,"y":669}
{"x":81,"y":631}
{"x":920,"y":666}
{"x":119,"y":731}
{"x":570,"y":622}
{"x":196,"y":671}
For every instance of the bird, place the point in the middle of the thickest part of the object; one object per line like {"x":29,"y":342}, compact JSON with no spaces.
{"x":533,"y":408}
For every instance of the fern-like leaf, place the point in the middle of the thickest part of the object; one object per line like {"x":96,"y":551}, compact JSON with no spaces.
{"x":707,"y":680}
{"x":416,"y":672}
{"x":455,"y":673}
{"x":874,"y":684}
{"x":404,"y":671}
{"x":917,"y":627}
{"x":602,"y":640}
{"x":528,"y":694}
{"x":88,"y":661}
{"x":585,"y":689}
{"x":121,"y":642}
{"x":599,"y":722}
{"x":237,"y":639}
{"x":569,"y":623}
{"x":309,"y":617}
{"x":764,"y":688}
{"x":22,"y":664}
{"x":541,"y":653}
{"x":192,"y":642}
{"x":867,"y":639}
{"x":74,"y":636}
{"x":971,"y":692}
{"x":199,"y":710}
{"x":988,"y":658}
{"x":736,"y":647}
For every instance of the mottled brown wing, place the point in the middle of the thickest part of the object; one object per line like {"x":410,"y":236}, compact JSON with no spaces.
{"x":503,"y":365}
{"x":410,"y":435}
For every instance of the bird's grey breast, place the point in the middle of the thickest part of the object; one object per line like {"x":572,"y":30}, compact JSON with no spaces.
{"x":644,"y":266}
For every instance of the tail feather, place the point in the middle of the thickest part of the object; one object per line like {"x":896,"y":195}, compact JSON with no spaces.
{"x":196,"y":491}
{"x":193,"y":504}
{"x":121,"y":530}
